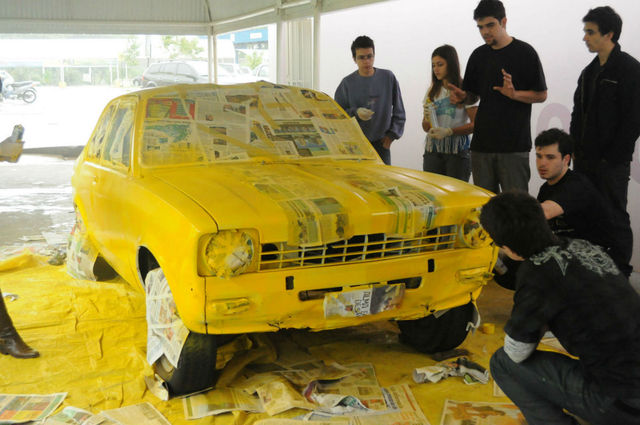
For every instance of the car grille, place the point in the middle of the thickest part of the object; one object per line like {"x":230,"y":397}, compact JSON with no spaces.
{"x":359,"y":248}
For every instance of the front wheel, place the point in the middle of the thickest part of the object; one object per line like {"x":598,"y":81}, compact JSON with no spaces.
{"x":432,"y":334}
{"x":29,"y":96}
{"x":196,"y":369}
{"x":195,"y":365}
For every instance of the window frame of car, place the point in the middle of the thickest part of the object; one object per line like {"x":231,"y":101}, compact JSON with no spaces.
{"x":108,"y":129}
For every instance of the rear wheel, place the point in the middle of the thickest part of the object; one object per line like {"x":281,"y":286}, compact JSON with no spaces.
{"x":29,"y":96}
{"x":435,"y":334}
{"x":195,"y":368}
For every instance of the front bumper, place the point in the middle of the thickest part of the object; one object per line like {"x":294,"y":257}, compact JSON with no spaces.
{"x":273,"y":300}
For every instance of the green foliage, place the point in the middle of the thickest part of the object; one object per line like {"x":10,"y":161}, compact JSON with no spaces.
{"x":181,"y":47}
{"x":253,"y":60}
{"x":132,"y":52}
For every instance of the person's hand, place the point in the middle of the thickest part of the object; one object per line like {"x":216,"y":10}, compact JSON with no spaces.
{"x":507,"y":88}
{"x":364,"y":114}
{"x":456,"y":94}
{"x":440,"y":132}
{"x":428,"y":109}
{"x":386,"y":142}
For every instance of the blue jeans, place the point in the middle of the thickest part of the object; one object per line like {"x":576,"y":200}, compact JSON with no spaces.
{"x":545,"y":383}
{"x":501,"y":171}
{"x":457,"y":165}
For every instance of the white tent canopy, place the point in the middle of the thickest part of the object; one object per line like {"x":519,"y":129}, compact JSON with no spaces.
{"x":194,"y":17}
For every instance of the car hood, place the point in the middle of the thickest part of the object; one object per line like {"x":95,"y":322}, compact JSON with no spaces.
{"x":310,"y":203}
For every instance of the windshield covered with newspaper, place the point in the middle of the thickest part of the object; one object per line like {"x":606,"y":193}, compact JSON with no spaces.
{"x":209,"y":124}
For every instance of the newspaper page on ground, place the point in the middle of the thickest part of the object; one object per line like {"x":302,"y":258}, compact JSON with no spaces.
{"x":68,"y":416}
{"x":138,"y":414}
{"x":166,"y":334}
{"x":16,"y":408}
{"x":218,"y":401}
{"x":362,"y":385}
{"x":403,"y":409}
{"x":473,"y":412}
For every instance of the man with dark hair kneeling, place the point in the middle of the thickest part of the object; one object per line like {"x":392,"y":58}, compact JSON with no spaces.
{"x":574,"y":289}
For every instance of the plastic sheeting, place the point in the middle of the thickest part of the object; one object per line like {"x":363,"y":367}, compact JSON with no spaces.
{"x":92,"y":339}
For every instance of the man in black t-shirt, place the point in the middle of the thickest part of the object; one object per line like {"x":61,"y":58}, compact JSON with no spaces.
{"x":571,"y":203}
{"x":507,"y":75}
{"x":574,"y":289}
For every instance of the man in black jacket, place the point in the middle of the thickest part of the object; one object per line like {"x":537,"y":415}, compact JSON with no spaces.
{"x":605,"y":122}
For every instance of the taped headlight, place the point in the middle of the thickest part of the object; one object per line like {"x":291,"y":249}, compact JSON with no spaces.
{"x":471,"y":232}
{"x":229,"y":253}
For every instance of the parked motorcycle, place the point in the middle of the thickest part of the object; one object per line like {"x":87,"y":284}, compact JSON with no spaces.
{"x":21,"y":90}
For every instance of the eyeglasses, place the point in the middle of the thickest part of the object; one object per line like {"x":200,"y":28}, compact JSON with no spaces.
{"x":364,"y":57}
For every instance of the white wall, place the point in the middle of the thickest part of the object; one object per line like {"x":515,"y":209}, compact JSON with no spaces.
{"x":407,"y":31}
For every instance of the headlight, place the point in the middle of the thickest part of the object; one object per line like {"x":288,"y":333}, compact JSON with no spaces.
{"x":228,"y":253}
{"x":471,"y":232}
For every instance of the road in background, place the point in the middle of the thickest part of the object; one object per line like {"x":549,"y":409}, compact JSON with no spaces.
{"x":35,"y":197}
{"x":59,"y":116}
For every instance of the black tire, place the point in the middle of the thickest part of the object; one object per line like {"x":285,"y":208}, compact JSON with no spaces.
{"x":196,"y":369}
{"x":151,"y":85}
{"x":432,"y":335}
{"x":29,"y":96}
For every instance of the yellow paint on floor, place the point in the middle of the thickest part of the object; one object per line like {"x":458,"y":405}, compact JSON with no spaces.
{"x":92,"y":339}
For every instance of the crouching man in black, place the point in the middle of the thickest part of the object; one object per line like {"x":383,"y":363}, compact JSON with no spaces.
{"x":574,"y":289}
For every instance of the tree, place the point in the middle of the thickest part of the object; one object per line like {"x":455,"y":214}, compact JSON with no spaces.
{"x":131,"y":53}
{"x":253,"y":60}
{"x":181,"y":47}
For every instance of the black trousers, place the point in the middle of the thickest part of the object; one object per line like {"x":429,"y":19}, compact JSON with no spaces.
{"x":612,"y":180}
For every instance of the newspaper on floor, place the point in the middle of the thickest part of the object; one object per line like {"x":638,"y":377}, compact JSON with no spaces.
{"x":305,"y":373}
{"x":100,"y":419}
{"x":403,"y":409}
{"x":219,"y":401}
{"x":335,"y":404}
{"x":473,"y":412}
{"x":166,"y":334}
{"x":470,"y":372}
{"x":362,"y":385}
{"x":282,"y":421}
{"x":68,"y":416}
{"x":279,"y":396}
{"x":137,"y":414}
{"x":17,"y":408}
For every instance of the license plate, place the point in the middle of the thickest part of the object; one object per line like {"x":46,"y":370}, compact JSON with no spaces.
{"x":372,"y":299}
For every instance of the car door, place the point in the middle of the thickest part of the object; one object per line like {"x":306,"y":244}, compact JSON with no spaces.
{"x":167,"y":74}
{"x":185,"y":74}
{"x":113,"y":180}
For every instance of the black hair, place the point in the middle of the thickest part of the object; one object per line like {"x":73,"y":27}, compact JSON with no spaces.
{"x":607,"y":20}
{"x":449,"y":54}
{"x":489,"y":9}
{"x":515,"y":219}
{"x":553,"y":136}
{"x":362,"y":42}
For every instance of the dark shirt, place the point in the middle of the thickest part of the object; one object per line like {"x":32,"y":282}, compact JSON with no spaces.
{"x":586,"y":214}
{"x":576,"y":291}
{"x":605,"y":123}
{"x":503,"y":124}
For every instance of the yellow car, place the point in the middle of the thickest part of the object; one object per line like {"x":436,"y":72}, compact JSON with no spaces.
{"x":263,"y":207}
